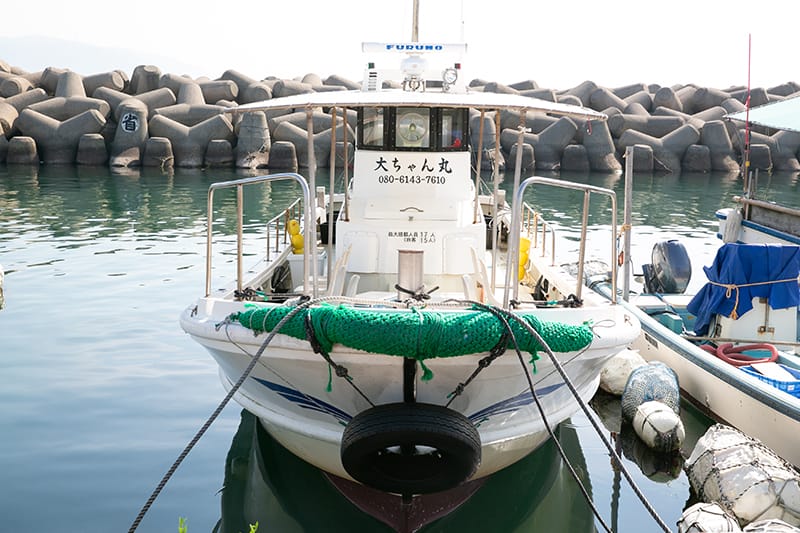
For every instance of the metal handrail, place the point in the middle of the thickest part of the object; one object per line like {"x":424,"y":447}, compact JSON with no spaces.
{"x":516,"y":220}
{"x":532,"y":218}
{"x":768,"y":205}
{"x":310,"y":248}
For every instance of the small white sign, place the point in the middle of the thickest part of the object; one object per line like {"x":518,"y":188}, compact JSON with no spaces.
{"x":129,"y":122}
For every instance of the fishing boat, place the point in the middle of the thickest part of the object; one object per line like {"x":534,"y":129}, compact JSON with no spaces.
{"x":399,"y":333}
{"x":734,"y":343}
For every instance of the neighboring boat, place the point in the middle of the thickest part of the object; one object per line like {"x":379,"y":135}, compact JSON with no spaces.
{"x":756,"y":220}
{"x":733,"y":344}
{"x":384,"y":351}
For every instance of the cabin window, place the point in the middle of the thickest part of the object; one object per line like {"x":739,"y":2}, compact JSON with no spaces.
{"x":372,"y":127}
{"x":413,"y":127}
{"x":453,"y":128}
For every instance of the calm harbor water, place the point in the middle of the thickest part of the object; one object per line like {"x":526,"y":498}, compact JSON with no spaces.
{"x":101,"y":390}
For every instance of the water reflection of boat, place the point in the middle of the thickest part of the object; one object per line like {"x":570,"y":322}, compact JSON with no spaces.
{"x":264,"y":482}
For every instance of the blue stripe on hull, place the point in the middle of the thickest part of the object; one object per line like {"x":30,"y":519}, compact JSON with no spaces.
{"x":315,"y":404}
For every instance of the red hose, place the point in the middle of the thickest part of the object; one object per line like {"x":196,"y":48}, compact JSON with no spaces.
{"x":733,"y":354}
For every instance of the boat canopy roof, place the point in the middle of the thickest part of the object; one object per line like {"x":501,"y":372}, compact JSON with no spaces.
{"x":487,"y":101}
{"x":780,"y":115}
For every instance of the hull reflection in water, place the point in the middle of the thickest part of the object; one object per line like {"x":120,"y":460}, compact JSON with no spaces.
{"x":267,"y":484}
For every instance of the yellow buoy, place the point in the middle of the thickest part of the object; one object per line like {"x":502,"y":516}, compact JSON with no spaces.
{"x":524,"y":248}
{"x":297,"y":243}
{"x":293,"y":227}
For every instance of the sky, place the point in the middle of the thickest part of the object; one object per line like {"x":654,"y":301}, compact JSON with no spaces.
{"x":557,"y":44}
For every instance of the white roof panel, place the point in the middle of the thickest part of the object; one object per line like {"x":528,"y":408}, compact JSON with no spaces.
{"x":781,"y":115}
{"x":476,"y":100}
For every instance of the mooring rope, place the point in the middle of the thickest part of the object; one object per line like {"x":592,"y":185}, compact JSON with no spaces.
{"x":501,"y":315}
{"x":214,"y":415}
{"x":595,"y":424}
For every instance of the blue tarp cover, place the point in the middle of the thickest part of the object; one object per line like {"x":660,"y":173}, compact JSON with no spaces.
{"x":738,"y":274}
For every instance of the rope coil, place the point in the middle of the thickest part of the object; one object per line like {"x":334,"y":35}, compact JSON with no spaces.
{"x":731,"y":287}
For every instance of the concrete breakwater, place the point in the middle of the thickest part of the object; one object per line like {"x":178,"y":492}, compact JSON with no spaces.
{"x":151,"y":118}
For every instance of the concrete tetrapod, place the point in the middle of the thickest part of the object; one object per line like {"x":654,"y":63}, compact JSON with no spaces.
{"x":575,"y":158}
{"x":548,"y":146}
{"x":189,"y":144}
{"x":320,"y":121}
{"x":250,"y":90}
{"x":49,"y":78}
{"x":666,"y":97}
{"x":535,"y":123}
{"x":14,"y":85}
{"x":57,"y":141}
{"x":600,"y":149}
{"x":642,"y":98}
{"x":290,"y":87}
{"x":715,"y":137}
{"x":22,"y":151}
{"x":11,"y":107}
{"x":253,"y":141}
{"x":489,"y":138}
{"x":219,"y":154}
{"x":339,"y":81}
{"x":697,"y":158}
{"x":283,"y":156}
{"x":286,"y":131}
{"x":63,"y":108}
{"x":782,"y":147}
{"x":144,"y":79}
{"x":216,"y":90}
{"x":154,"y":99}
{"x":527,"y":159}
{"x":669,"y":150}
{"x":111,"y":80}
{"x":642,"y":158}
{"x":130,"y":135}
{"x":602,"y":98}
{"x":92,"y":150}
{"x":158,"y":153}
{"x":70,"y":99}
{"x":656,"y":126}
{"x":69,"y":84}
{"x":191,"y":108}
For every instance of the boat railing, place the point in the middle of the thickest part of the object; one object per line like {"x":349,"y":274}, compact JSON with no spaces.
{"x":768,"y":206}
{"x":276,"y":227}
{"x":532,"y":220}
{"x":517,"y":227}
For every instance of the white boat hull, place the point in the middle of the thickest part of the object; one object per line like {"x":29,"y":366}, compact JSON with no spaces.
{"x":287,"y":389}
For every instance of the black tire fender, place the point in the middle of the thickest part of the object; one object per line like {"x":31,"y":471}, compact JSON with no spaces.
{"x":410,"y":448}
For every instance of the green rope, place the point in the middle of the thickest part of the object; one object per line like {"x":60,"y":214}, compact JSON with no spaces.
{"x":418,"y":334}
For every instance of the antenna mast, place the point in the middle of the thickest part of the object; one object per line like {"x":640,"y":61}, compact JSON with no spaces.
{"x":415,"y":23}
{"x":747,"y":122}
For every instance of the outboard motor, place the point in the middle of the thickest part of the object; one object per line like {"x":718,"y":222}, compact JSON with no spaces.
{"x":670,"y":269}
